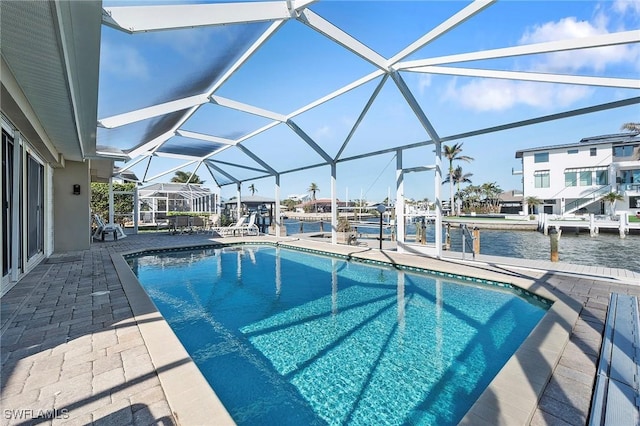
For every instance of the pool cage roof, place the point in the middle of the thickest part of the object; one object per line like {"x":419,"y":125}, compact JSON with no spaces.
{"x":231,"y":89}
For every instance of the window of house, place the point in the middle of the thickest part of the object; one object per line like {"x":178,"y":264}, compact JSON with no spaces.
{"x":570,"y":179}
{"x":572,"y":151}
{"x":541,"y":157}
{"x":585,"y":178}
{"x":623,"y":151}
{"x":593,"y":152}
{"x":630,"y":176}
{"x":602,"y":177}
{"x":541,"y":179}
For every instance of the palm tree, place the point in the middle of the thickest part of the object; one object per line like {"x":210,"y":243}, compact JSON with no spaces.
{"x":458,"y":178}
{"x":532,"y":202}
{"x":471,"y":195}
{"x":252,"y":188}
{"x":184,"y":177}
{"x":491,"y":192}
{"x":632,"y":127}
{"x":611,"y":198}
{"x":313,"y":188}
{"x":452,"y":153}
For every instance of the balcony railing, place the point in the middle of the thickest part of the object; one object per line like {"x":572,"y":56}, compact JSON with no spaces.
{"x":632,"y":187}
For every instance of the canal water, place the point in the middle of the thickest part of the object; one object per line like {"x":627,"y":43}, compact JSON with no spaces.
{"x":607,"y":249}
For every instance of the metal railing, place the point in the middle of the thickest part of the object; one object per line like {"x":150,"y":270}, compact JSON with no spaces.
{"x":586,"y":200}
{"x":465,"y":232}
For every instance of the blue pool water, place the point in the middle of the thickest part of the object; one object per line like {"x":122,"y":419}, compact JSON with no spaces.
{"x":286,"y":337}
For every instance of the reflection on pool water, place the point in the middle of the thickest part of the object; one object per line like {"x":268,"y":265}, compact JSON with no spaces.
{"x":286,"y":337}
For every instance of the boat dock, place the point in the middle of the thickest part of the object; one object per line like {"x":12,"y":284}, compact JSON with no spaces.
{"x":593,"y":223}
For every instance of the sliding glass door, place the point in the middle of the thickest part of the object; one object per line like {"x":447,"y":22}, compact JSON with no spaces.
{"x":7,"y":202}
{"x":35,"y":207}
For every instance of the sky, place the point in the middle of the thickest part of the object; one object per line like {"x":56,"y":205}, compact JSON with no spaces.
{"x":298,"y":65}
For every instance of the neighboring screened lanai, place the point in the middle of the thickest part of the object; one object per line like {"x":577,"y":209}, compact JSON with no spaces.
{"x":159,"y":200}
{"x":243,"y":91}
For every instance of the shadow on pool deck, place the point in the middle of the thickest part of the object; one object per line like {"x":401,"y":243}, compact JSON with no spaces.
{"x":67,"y":345}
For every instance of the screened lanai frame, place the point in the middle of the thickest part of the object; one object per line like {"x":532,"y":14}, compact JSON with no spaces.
{"x":159,"y":200}
{"x":162,"y":127}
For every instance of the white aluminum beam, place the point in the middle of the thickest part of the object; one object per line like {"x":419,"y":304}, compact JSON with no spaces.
{"x":152,"y":111}
{"x":344,"y":89}
{"x":173,"y":155}
{"x":134,"y":19}
{"x":603,"y":40}
{"x":239,"y":106}
{"x":552,"y":117}
{"x":334,"y":206}
{"x":203,"y":137}
{"x":624,"y":83}
{"x":219,"y":170}
{"x":415,"y":107}
{"x":361,"y":116}
{"x":309,"y":141}
{"x":257,"y":159}
{"x":155,"y":144}
{"x":299,"y":169}
{"x":258,"y":131}
{"x":214,"y":179}
{"x":148,"y":147}
{"x":457,"y":19}
{"x":146,"y":169}
{"x":411,"y":100}
{"x":545,"y":118}
{"x":217,"y":151}
{"x":193,"y":173}
{"x":240,"y":166}
{"x":334,"y":33}
{"x":247,"y":54}
{"x":494,"y":129}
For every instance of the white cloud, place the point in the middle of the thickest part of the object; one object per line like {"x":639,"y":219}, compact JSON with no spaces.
{"x":123,"y":61}
{"x":500,"y":95}
{"x":584,"y":59}
{"x":424,"y":81}
{"x":626,"y":7}
{"x":188,"y":44}
{"x":322,"y":133}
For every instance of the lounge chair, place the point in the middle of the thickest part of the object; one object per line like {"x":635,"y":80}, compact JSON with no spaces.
{"x":232,"y":229}
{"x":241,"y":228}
{"x":106,"y":229}
{"x":250,"y":228}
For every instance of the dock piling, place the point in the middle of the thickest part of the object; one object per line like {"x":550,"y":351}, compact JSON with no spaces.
{"x":554,"y":237}
{"x":476,"y":240}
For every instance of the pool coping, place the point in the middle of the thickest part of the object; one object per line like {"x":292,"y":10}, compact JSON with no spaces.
{"x":506,"y":400}
{"x":189,"y":395}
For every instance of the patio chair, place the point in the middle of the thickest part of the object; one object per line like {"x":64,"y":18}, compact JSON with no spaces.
{"x":250,"y":228}
{"x":232,"y":229}
{"x":107,"y":228}
{"x":180,"y":225}
{"x":241,"y":228}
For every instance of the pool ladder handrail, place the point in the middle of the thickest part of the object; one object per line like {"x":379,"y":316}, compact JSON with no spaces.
{"x":465,"y":231}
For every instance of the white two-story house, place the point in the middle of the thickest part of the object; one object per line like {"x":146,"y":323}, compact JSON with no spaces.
{"x":573,"y":178}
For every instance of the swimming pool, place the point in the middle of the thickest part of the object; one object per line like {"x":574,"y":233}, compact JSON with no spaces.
{"x":286,"y":337}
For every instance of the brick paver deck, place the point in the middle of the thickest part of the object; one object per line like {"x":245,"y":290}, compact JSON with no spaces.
{"x":72,"y":352}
